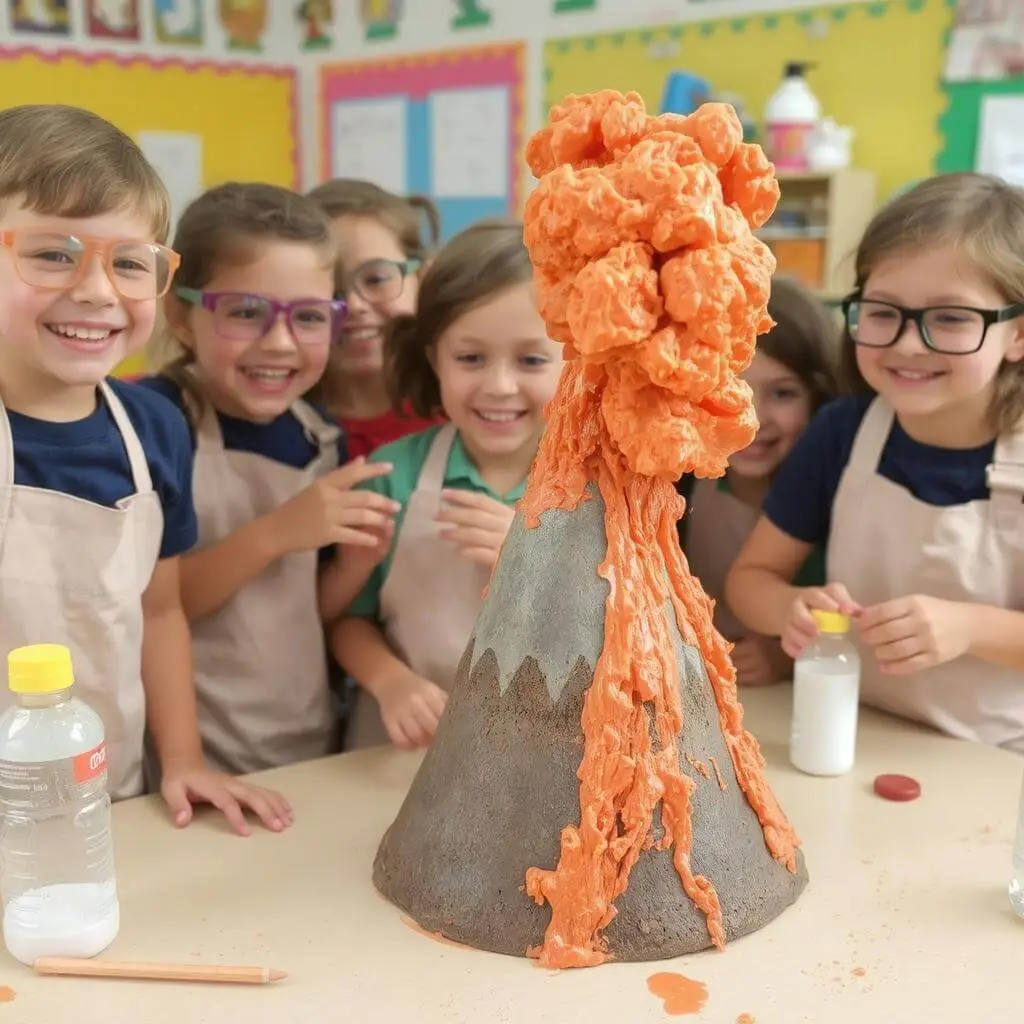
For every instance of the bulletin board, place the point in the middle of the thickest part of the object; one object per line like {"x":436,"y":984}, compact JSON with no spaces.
{"x":960,"y":124}
{"x":245,"y":115}
{"x":447,"y":124}
{"x":877,"y":69}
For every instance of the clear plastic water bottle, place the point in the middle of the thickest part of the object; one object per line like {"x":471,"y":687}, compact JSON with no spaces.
{"x":56,"y":856}
{"x":826,"y":695}
{"x":1017,"y":878}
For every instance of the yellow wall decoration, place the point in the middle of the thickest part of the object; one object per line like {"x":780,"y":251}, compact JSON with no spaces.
{"x":246,"y":114}
{"x":877,"y":69}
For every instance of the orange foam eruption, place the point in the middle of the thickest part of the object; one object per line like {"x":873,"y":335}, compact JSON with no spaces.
{"x":649,"y":274}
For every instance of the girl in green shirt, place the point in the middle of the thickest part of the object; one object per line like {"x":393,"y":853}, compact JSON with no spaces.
{"x":478,"y":351}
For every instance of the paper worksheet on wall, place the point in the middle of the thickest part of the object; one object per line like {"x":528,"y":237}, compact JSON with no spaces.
{"x":178,"y":159}
{"x":1001,"y":138}
{"x":369,"y":141}
{"x":470,"y":142}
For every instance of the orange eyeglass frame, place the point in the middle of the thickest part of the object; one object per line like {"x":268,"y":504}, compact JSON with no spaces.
{"x":92,"y":246}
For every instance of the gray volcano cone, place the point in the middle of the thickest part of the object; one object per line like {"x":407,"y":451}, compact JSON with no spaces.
{"x":499,"y":782}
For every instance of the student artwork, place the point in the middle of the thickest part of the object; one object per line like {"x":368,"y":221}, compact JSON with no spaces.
{"x":986,"y":42}
{"x":571,"y":6}
{"x":48,"y":16}
{"x":470,"y":14}
{"x":595,"y":713}
{"x":244,"y":21}
{"x":112,"y":19}
{"x":316,"y":18}
{"x":179,"y":22}
{"x":380,"y":18}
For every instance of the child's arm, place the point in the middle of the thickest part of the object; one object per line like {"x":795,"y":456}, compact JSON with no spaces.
{"x":345,"y":575}
{"x":410,"y":706}
{"x":327,"y":512}
{"x":171,"y":715}
{"x":912,"y":633}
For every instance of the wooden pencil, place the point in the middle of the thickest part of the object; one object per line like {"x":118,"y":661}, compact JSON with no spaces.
{"x":224,"y":973}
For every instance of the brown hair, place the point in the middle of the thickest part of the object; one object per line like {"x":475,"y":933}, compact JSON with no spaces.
{"x":804,"y":339}
{"x":403,"y":216}
{"x":226,"y":224}
{"x":983,"y":217}
{"x":477,"y":264}
{"x":66,"y":162}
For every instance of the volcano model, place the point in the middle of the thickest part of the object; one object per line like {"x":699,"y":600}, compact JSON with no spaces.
{"x":591,"y":793}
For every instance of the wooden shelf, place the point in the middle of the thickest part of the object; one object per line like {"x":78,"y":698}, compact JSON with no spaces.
{"x":822,"y":254}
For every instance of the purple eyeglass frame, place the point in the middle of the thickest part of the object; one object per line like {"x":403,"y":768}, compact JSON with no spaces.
{"x":209,"y":301}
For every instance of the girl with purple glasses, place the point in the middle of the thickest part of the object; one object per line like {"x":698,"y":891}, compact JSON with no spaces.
{"x":251,"y":318}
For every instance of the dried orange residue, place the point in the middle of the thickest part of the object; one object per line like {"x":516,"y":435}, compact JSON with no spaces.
{"x":7,"y":994}
{"x":649,"y":274}
{"x":745,"y":1018}
{"x":436,"y":936}
{"x":698,"y":766}
{"x":679,"y":994}
{"x":718,"y":773}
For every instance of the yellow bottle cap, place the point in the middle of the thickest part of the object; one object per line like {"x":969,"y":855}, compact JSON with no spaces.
{"x":40,"y":668}
{"x":831,"y":622}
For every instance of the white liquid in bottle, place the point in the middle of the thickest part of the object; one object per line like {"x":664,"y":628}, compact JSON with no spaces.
{"x":826,"y":694}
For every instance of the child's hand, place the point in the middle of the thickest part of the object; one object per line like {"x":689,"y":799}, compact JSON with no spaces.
{"x":752,"y":659}
{"x":411,"y":708}
{"x":330,"y":512}
{"x":187,"y":783}
{"x":476,"y":523}
{"x":799,"y":627}
{"x":916,"y":632}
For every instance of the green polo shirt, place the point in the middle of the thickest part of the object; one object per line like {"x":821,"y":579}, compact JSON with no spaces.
{"x":408,"y":455}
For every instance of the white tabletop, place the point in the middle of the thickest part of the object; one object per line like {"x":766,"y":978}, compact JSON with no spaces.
{"x":905,"y":919}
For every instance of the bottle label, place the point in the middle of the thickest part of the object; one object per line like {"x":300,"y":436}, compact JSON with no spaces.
{"x":36,"y":786}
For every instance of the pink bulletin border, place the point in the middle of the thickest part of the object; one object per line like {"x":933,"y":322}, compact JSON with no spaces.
{"x":129,"y":60}
{"x":417,"y":76}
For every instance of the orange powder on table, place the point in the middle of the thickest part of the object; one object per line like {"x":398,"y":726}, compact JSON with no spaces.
{"x":7,"y":994}
{"x":649,"y":274}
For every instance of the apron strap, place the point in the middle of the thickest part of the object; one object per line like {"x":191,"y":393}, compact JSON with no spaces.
{"x":872,"y":434}
{"x":6,"y":450}
{"x":136,"y":454}
{"x":318,"y":430}
{"x":432,"y":473}
{"x":1005,"y":479}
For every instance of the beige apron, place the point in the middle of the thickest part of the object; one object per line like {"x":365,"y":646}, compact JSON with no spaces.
{"x":885,"y":544}
{"x":73,"y":573}
{"x":717,"y":526}
{"x":261,"y":663}
{"x":430,"y":600}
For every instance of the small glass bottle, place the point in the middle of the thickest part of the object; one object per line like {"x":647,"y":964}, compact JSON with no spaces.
{"x":56,"y":856}
{"x":1016,"y":888}
{"x":826,"y":694}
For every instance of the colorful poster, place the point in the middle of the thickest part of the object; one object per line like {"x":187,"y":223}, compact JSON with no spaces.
{"x":987,"y":41}
{"x":470,"y":14}
{"x":316,"y":18}
{"x":571,"y":6}
{"x":112,"y":19}
{"x":244,"y":21}
{"x":49,"y":16}
{"x":381,"y":18}
{"x":178,"y":22}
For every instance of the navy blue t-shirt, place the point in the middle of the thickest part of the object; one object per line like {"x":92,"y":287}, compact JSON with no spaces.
{"x":88,"y":459}
{"x":804,"y":487}
{"x":282,"y":440}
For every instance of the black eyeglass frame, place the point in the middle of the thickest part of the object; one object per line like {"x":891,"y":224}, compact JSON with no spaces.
{"x":916,"y":317}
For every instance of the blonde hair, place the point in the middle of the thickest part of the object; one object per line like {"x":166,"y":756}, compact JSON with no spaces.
{"x":403,"y":216}
{"x":227,"y":224}
{"x":478,"y":263}
{"x":983,"y":218}
{"x":62,"y":161}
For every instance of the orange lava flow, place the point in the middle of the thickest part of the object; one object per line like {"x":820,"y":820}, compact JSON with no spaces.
{"x":649,"y":274}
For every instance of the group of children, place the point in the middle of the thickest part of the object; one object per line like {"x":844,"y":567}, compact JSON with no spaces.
{"x":323,"y":465}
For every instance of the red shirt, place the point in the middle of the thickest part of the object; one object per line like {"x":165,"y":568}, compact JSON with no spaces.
{"x":366,"y":436}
